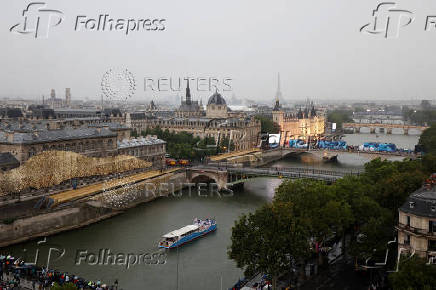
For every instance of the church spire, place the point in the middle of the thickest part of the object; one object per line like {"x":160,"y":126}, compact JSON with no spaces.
{"x":188,"y":93}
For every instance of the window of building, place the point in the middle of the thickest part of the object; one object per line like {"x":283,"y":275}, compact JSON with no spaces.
{"x":408,"y":221}
{"x":432,"y":226}
{"x":431,"y":245}
{"x":407,"y":240}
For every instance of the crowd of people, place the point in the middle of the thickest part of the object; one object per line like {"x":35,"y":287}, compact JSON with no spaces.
{"x":13,"y":271}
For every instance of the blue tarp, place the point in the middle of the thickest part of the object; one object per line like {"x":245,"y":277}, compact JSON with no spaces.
{"x":333,"y":145}
{"x":379,"y":147}
{"x":297,"y":143}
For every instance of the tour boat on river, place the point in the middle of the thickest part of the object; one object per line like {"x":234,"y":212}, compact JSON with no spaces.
{"x":188,"y":233}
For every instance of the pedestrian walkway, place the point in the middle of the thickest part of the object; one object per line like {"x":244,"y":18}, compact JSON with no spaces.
{"x":233,"y":154}
{"x":75,"y":194}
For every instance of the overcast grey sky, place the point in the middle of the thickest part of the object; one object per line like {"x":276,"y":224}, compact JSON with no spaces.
{"x":315,"y":45}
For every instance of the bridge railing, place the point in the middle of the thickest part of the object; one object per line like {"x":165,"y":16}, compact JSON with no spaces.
{"x":294,"y":170}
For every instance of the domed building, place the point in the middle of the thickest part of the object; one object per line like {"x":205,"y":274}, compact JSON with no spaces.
{"x":216,"y":107}
{"x":219,"y":122}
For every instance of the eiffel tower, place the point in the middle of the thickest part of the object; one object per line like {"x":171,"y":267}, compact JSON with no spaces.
{"x":278,"y":95}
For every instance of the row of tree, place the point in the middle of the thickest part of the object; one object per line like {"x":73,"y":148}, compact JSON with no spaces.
{"x":425,"y":116}
{"x":339,"y":117}
{"x":305,"y":214}
{"x":267,"y":125}
{"x":183,"y":145}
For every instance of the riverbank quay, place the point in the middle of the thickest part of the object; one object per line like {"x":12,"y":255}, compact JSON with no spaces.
{"x":23,"y":221}
{"x":76,"y":183}
{"x":17,"y":274}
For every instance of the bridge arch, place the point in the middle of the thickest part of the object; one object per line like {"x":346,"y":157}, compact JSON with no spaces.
{"x":203,"y":176}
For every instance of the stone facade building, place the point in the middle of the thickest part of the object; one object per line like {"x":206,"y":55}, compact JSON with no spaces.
{"x":417,"y":222}
{"x":54,"y":102}
{"x":150,"y":149}
{"x":297,"y":125}
{"x":244,"y":132}
{"x":99,"y":142}
{"x":300,"y":125}
{"x":217,"y":107}
{"x":189,"y":108}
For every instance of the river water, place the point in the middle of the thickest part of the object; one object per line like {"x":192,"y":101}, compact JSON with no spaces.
{"x":202,"y":264}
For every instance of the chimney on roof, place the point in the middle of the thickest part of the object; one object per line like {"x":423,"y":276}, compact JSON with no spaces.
{"x":10,"y":136}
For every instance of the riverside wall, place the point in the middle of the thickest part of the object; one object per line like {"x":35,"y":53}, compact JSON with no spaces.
{"x":81,"y":213}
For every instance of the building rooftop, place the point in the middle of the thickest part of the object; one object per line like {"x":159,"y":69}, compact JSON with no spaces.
{"x":127,"y":143}
{"x":110,"y":125}
{"x":54,"y":135}
{"x":423,"y":201}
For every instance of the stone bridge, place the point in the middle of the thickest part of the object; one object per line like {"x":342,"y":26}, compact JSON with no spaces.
{"x":208,"y":175}
{"x":227,"y":176}
{"x":382,"y":127}
{"x":367,"y":154}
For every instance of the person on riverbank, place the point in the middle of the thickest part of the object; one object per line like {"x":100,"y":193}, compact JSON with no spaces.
{"x":44,"y":277}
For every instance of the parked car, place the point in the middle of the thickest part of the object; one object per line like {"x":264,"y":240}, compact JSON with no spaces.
{"x":171,"y":162}
{"x":183,"y":162}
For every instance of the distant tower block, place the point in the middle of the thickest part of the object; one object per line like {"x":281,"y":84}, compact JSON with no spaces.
{"x":67,"y":96}
{"x":52,"y":94}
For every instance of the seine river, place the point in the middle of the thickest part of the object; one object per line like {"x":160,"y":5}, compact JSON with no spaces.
{"x":202,"y":264}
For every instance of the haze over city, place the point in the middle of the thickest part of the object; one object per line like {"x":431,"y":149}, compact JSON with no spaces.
{"x":316,"y":46}
{"x":243,"y":145}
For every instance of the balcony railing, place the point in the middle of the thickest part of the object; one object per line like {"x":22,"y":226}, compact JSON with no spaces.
{"x":417,"y":231}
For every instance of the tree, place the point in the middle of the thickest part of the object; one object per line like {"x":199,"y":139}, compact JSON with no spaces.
{"x":428,"y":140}
{"x":268,"y":240}
{"x":134,"y":134}
{"x":393,"y":182}
{"x":267,"y":125}
{"x":414,"y":274}
{"x":312,"y":201}
{"x":373,"y":236}
{"x":365,"y":206}
{"x":339,"y":117}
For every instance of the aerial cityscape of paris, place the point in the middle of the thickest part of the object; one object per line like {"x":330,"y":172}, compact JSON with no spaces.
{"x":231,"y":145}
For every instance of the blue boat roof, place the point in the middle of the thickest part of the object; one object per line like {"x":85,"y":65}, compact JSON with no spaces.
{"x":181,"y":231}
